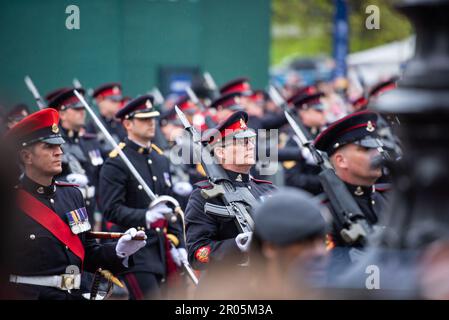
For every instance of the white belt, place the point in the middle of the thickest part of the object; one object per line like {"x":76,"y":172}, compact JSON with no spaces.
{"x":88,"y":192}
{"x":62,"y":282}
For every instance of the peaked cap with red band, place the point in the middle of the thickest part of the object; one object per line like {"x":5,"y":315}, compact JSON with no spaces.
{"x":186,"y":105}
{"x":229,"y":101}
{"x":309,"y":101}
{"x":39,"y":126}
{"x":383,"y":87}
{"x":240,"y":85}
{"x":359,"y":128}
{"x":49,"y":96}
{"x":234,"y":126}
{"x":112,"y":91}
{"x":140,"y":107}
{"x":66,"y":99}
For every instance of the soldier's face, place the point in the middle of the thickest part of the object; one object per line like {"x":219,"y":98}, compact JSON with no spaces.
{"x":240,"y":151}
{"x":108,"y":107}
{"x":356,"y":161}
{"x":143,"y":128}
{"x":73,"y":118}
{"x":313,"y":118}
{"x":44,"y":158}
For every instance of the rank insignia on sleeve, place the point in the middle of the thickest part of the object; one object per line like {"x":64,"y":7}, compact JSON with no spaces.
{"x":78,"y":220}
{"x":202,"y":254}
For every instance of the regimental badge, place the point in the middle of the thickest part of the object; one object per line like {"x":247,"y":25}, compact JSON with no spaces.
{"x":78,"y":220}
{"x":55,"y":128}
{"x":116,"y":90}
{"x":95,"y":157}
{"x":202,"y":254}
{"x":148,"y":104}
{"x":359,"y":191}
{"x":237,"y":100}
{"x":243,"y":124}
{"x":370,"y":127}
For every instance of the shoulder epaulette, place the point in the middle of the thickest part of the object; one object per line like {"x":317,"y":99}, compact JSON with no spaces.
{"x":203,"y":184}
{"x":65,"y":184}
{"x":114,"y":153}
{"x":261,"y":181}
{"x":157,"y":149}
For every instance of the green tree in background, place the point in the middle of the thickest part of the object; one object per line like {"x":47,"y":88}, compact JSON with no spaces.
{"x":304,"y":27}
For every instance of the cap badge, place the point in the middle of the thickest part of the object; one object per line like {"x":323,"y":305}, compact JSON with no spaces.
{"x":242,"y":124}
{"x":24,"y":113}
{"x":237,"y":100}
{"x":370,"y":127}
{"x":115,"y":90}
{"x":55,"y":128}
{"x":148,"y":104}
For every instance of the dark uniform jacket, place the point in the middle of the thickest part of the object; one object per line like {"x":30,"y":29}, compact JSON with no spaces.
{"x":114,"y":127}
{"x":125,"y":203}
{"x":372,"y":201}
{"x":84,"y":151}
{"x":300,"y":173}
{"x":210,"y":238}
{"x":39,"y":253}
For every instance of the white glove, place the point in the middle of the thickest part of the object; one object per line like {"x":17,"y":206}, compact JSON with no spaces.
{"x":243,"y":241}
{"x":156,"y":213}
{"x":126,"y":246}
{"x":179,"y":256}
{"x":77,"y":178}
{"x":182,"y":188}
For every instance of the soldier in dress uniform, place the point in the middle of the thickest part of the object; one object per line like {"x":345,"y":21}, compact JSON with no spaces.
{"x":108,"y":98}
{"x":212,"y":239}
{"x":302,"y":172}
{"x":124,"y":202}
{"x":51,"y":248}
{"x":351,"y":144}
{"x":82,"y":157}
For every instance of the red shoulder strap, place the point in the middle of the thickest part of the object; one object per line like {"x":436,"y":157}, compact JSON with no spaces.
{"x":50,"y":221}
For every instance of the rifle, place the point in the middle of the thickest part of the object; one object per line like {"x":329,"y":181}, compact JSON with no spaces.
{"x":155,"y":200}
{"x":193,"y":97}
{"x":236,"y":200}
{"x":30,"y":85}
{"x":348,"y":216}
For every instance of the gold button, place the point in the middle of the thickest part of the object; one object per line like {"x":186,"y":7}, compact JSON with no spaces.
{"x":66,"y":247}
{"x":32,"y":236}
{"x":249,"y":187}
{"x":158,"y":229}
{"x":373,"y":202}
{"x":52,"y":201}
{"x":154,"y":178}
{"x":40,"y":190}
{"x":149,"y":161}
{"x":139,"y":187}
